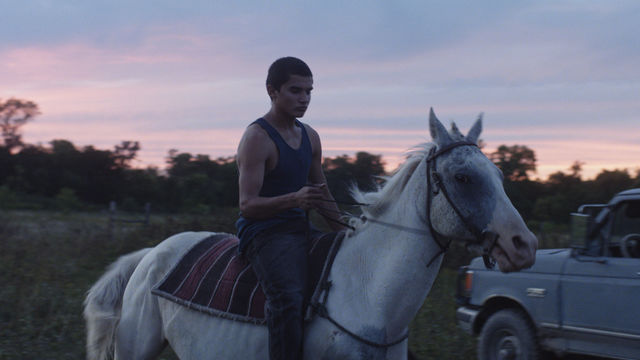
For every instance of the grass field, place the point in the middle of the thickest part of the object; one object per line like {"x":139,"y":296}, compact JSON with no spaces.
{"x":49,"y":260}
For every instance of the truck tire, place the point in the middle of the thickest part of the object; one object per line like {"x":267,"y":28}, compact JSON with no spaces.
{"x":508,"y":335}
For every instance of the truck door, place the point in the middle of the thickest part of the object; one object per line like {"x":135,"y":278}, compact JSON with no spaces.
{"x":601,"y":294}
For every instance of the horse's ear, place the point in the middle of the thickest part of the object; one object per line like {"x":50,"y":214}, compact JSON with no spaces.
{"x":475,"y":131}
{"x":455,"y":132}
{"x":438,"y":132}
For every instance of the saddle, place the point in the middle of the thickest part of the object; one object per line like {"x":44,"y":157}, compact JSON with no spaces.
{"x":212,"y":277}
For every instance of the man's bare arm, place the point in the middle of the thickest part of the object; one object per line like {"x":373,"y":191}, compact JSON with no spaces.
{"x":327,"y":208}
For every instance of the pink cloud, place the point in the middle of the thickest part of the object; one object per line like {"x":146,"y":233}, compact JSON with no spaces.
{"x":153,"y":91}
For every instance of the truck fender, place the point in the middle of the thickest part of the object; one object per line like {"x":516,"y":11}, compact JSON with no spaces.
{"x":494,"y":304}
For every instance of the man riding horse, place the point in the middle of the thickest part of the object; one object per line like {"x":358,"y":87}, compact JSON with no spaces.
{"x":281,"y":177}
{"x":446,"y":190}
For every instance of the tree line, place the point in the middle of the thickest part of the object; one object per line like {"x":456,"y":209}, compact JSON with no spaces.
{"x":60,"y":175}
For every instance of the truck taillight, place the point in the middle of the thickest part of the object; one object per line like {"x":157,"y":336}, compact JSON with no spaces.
{"x":467,"y":283}
{"x":464,"y":284}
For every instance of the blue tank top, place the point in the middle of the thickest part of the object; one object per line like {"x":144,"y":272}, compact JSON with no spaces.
{"x":289,"y":175}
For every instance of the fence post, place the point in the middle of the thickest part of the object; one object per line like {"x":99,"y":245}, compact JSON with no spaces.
{"x":147,"y":213}
{"x":112,"y":218}
{"x":541,"y":237}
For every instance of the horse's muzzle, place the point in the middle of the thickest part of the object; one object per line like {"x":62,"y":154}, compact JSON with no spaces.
{"x":484,"y":245}
{"x":489,"y":241}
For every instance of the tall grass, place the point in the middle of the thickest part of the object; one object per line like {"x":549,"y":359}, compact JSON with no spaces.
{"x":49,"y":260}
{"x":433,"y":334}
{"x":45,"y":266}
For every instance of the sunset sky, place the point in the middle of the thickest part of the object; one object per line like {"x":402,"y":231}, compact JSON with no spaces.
{"x":561,"y":77}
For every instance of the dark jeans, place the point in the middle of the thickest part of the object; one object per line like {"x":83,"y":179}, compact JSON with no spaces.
{"x":279,"y":258}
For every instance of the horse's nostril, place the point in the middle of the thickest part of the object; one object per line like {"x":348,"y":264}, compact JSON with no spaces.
{"x":518,"y":243}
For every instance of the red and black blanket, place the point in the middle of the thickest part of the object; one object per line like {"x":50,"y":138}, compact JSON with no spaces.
{"x":214,"y":278}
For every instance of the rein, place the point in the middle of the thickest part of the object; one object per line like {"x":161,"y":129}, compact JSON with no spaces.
{"x":364,"y":218}
{"x":433,"y":188}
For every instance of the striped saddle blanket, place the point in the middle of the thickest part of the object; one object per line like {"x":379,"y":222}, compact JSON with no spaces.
{"x":212,"y":277}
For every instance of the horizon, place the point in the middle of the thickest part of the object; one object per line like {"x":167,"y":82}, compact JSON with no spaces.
{"x":389,"y":166}
{"x":558,"y":77}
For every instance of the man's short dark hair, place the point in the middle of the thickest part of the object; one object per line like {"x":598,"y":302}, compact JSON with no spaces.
{"x":283,"y":68}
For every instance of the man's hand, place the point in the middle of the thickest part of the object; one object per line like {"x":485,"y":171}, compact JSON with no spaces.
{"x":307,"y":197}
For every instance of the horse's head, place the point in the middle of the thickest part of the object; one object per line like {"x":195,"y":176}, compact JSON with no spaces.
{"x":466,"y":194}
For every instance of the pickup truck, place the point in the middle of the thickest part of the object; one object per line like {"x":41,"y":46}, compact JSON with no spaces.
{"x":581,"y":300}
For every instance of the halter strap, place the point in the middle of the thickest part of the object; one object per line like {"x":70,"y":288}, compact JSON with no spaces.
{"x":434,"y":186}
{"x":434,"y":153}
{"x":437,"y":182}
{"x":479,"y":234}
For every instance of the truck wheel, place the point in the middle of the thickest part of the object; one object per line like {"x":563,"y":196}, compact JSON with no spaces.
{"x":508,"y":335}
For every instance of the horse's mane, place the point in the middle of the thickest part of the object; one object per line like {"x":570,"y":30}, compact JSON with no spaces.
{"x":377,"y":201}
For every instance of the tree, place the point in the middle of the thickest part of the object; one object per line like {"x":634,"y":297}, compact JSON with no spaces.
{"x":14,"y":113}
{"x":343,"y":171}
{"x":125,"y":152}
{"x":562,"y":182}
{"x":197,"y":182}
{"x":523,"y":195}
{"x":516,"y":161}
{"x":63,"y":166}
{"x":609,"y":182}
{"x":366,"y":167}
{"x":563,"y":193}
{"x":576,"y":169}
{"x":6,"y":164}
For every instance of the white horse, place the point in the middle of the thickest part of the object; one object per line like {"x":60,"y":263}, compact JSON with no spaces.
{"x":381,"y":276}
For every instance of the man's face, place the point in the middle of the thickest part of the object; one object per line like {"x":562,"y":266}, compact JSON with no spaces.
{"x":294,"y":96}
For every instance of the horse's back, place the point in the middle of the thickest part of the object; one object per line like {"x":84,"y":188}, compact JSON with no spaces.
{"x":174,"y":247}
{"x":159,"y":261}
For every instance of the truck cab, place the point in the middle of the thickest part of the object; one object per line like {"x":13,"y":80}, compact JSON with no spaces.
{"x":584,"y":299}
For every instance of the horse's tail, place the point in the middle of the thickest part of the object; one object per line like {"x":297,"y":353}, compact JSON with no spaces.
{"x":103,"y":305}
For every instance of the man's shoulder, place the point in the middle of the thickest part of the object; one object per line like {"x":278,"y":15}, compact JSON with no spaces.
{"x":255,"y":140}
{"x":311,"y":131}
{"x":255,"y":132}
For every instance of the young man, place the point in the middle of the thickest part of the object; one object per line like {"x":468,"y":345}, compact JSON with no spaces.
{"x":279,"y":160}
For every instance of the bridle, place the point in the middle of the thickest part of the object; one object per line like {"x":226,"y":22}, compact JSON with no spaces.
{"x":483,"y":237}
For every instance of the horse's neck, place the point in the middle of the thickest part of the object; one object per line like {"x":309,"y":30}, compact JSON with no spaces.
{"x":380,"y":273}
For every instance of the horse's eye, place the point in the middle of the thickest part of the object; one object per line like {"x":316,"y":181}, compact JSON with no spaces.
{"x":464,"y":179}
